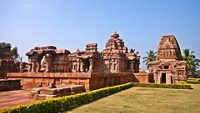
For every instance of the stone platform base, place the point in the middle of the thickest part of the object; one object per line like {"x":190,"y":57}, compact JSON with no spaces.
{"x":7,"y":85}
{"x":60,"y":90}
{"x":90,"y":80}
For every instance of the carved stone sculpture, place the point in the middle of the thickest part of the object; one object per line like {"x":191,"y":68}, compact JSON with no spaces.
{"x":48,"y":62}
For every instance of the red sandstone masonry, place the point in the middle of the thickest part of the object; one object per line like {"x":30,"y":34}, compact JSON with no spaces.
{"x":143,"y":77}
{"x":91,"y":81}
{"x":30,"y":80}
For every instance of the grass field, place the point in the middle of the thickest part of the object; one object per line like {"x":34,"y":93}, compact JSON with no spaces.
{"x":146,"y":100}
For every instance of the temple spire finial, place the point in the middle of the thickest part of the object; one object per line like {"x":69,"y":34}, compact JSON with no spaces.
{"x":115,"y":34}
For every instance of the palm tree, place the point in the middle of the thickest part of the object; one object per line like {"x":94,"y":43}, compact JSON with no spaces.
{"x":192,"y":62}
{"x":151,"y":56}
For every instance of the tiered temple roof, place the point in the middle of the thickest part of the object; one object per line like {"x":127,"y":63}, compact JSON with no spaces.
{"x":169,"y":48}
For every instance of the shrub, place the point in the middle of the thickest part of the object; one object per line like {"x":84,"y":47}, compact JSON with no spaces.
{"x":183,"y":82}
{"x":193,"y":80}
{"x":66,"y":102}
{"x":63,"y":103}
{"x":153,"y":85}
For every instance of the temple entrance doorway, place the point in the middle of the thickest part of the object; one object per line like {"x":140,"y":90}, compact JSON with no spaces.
{"x":172,"y":80}
{"x":163,"y":78}
{"x":86,"y":65}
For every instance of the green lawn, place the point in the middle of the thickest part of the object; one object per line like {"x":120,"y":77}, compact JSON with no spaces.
{"x":146,"y":100}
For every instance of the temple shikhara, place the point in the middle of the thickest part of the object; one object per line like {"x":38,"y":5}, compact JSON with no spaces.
{"x":55,"y":72}
{"x":169,"y":66}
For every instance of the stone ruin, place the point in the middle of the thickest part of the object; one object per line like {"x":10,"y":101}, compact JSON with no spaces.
{"x":169,"y":66}
{"x":41,"y":93}
{"x":47,"y":59}
{"x":114,"y":58}
{"x":7,"y":64}
{"x":53,"y":72}
{"x":94,"y":69}
{"x":85,"y":61}
{"x":88,"y":69}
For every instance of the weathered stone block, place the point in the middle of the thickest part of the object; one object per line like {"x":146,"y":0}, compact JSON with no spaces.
{"x":48,"y":91}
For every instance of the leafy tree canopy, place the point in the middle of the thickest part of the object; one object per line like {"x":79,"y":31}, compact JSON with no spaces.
{"x":14,"y":53}
{"x":151,"y":56}
{"x":192,"y":62}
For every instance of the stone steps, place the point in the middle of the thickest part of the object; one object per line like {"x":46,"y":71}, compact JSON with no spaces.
{"x":61,"y":90}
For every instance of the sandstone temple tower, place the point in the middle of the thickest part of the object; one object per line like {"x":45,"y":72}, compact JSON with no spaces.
{"x":117,"y":58}
{"x":169,"y":66}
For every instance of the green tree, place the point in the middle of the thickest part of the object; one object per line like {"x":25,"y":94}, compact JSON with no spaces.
{"x":192,"y":62}
{"x":14,"y":53}
{"x":151,"y":56}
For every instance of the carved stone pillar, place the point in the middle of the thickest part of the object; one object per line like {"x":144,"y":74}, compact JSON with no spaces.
{"x":91,"y":65}
{"x":81,"y":66}
{"x":33,"y":64}
{"x":48,"y":62}
{"x":38,"y":66}
{"x":29,"y":65}
{"x":78,"y":65}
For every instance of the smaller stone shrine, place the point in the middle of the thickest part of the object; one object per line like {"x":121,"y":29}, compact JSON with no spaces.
{"x":48,"y":59}
{"x":117,"y":58}
{"x":169,"y":66}
{"x":85,"y":61}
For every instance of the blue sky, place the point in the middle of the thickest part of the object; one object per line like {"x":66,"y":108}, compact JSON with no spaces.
{"x":71,"y":24}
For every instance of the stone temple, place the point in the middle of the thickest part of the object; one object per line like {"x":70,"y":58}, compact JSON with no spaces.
{"x":114,"y":58}
{"x":169,"y":66}
{"x":91,"y":68}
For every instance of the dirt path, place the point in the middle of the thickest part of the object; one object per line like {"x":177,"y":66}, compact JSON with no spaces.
{"x":13,"y":98}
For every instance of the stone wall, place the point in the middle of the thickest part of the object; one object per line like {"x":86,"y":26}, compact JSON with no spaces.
{"x":99,"y":80}
{"x":143,"y":77}
{"x":6,"y":85}
{"x":3,"y":69}
{"x":33,"y":79}
{"x":91,"y":80}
